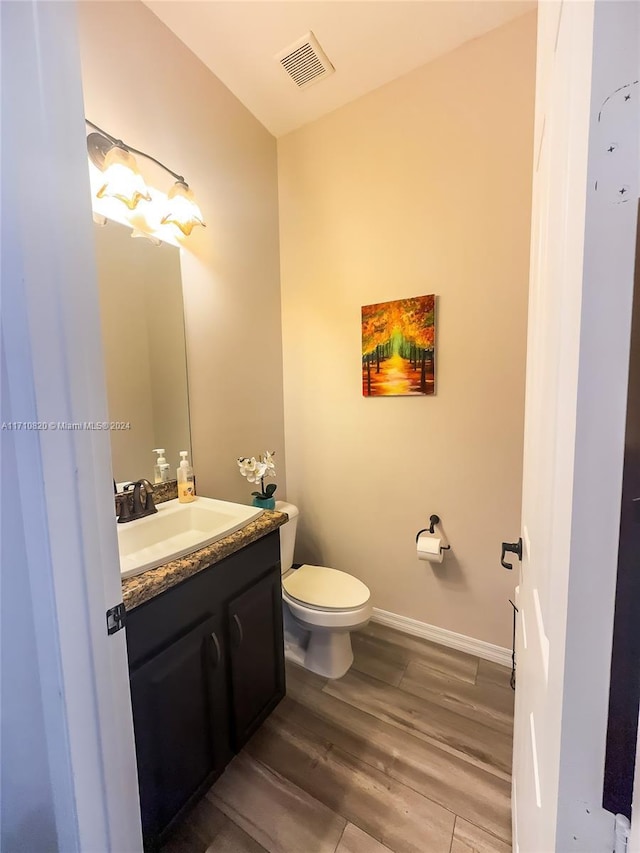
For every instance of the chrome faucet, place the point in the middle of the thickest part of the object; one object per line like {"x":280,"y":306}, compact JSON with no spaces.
{"x":142,"y":500}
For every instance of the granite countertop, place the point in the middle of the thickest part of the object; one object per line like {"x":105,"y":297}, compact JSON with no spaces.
{"x":143,"y":587}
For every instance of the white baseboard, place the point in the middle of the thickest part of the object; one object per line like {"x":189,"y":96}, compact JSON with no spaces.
{"x":479,"y":648}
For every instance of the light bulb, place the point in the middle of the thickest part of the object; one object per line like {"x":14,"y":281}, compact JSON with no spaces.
{"x":182,"y":210}
{"x":122,"y":180}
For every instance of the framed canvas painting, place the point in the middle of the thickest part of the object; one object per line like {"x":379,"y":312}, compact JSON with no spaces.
{"x":398,"y":348}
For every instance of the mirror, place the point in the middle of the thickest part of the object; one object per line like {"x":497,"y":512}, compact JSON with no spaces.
{"x":142,"y":318}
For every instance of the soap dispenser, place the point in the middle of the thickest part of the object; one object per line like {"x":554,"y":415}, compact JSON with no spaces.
{"x":161,"y":468}
{"x":186,"y":482}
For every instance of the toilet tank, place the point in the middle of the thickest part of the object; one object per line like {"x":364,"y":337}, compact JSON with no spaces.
{"x":287,"y":534}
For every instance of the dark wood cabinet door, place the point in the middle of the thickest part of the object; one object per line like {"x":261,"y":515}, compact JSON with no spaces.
{"x":257,"y":655}
{"x":180,"y":712}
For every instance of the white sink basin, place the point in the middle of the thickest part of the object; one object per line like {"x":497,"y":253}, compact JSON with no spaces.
{"x":178,"y":529}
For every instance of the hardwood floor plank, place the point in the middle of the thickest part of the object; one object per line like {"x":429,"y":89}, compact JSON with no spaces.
{"x":389,"y":811}
{"x":468,"y":838}
{"x":379,"y":660}
{"x":279,"y":815}
{"x":469,"y":739}
{"x":233,"y":839}
{"x":196,"y":832}
{"x":304,"y":677}
{"x":486,"y":701}
{"x":354,"y":840}
{"x":493,"y":673}
{"x":207,"y":830}
{"x":449,"y":662}
{"x":459,"y":786}
{"x":300,"y":686}
{"x":354,"y":731}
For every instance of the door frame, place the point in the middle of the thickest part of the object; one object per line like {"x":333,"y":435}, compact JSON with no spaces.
{"x":605,"y":330}
{"x":66,"y":539}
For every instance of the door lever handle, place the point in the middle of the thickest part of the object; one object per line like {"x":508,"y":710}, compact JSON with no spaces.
{"x":514,"y":548}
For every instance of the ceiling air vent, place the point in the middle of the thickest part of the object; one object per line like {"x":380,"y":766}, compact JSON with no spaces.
{"x":305,"y":61}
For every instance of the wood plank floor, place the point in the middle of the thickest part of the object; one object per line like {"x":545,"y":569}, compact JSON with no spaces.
{"x":410,"y":752}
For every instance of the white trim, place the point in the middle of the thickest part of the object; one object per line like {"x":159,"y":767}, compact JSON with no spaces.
{"x":479,"y":648}
{"x":598,"y":448}
{"x":63,"y":499}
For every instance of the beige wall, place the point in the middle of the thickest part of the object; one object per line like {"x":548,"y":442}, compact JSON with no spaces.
{"x":422,"y":186}
{"x":144,"y":86}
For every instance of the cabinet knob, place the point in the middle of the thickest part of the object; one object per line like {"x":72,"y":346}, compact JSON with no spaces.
{"x":216,"y":646}
{"x":238,"y":624}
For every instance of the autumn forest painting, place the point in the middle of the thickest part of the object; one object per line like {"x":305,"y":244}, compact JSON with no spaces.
{"x":398,"y":347}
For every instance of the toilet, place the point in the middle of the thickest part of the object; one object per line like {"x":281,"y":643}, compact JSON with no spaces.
{"x":321,"y":608}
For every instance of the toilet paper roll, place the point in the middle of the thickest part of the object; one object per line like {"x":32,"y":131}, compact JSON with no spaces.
{"x":429,"y":548}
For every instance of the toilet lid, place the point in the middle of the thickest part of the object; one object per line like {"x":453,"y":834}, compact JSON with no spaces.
{"x":326,"y":588}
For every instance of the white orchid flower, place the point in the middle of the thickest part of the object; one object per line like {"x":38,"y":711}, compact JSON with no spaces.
{"x":256,"y":470}
{"x":269,"y":463}
{"x":261,"y":470}
{"x":247,"y":467}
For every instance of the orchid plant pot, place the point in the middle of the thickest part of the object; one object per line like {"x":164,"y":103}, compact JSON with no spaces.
{"x":264,"y":503}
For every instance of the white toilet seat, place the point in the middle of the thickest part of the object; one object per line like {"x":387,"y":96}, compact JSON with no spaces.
{"x":325,"y":590}
{"x":307,"y":606}
{"x":318,"y":618}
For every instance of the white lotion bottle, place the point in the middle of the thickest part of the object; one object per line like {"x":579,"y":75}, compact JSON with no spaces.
{"x":161,"y":468}
{"x":186,"y":482}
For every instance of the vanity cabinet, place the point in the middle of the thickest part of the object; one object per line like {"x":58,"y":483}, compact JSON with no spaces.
{"x":257,"y":673}
{"x":180,"y":712}
{"x":206,"y":663}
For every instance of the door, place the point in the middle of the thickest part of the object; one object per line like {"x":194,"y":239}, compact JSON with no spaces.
{"x":257,"y":655}
{"x":180,"y":717}
{"x":79,"y":789}
{"x":577,"y":359}
{"x":551,"y":367}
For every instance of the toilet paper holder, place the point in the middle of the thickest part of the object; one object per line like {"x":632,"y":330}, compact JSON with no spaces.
{"x":433,"y":520}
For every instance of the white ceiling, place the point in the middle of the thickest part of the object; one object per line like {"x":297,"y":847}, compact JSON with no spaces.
{"x":369,"y":42}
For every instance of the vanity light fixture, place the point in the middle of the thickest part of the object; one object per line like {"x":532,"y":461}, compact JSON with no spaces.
{"x":121,"y":176}
{"x":182,"y":209}
{"x":122,"y":180}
